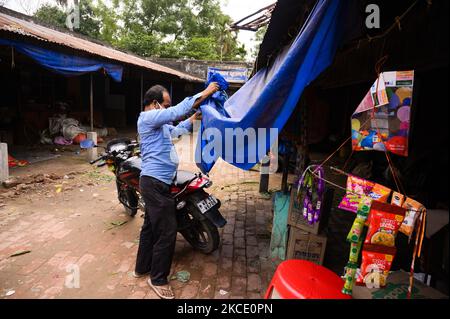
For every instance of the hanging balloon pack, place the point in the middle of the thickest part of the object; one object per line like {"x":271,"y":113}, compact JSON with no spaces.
{"x":311,"y":188}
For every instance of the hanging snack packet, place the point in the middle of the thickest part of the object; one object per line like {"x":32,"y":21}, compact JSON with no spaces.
{"x":384,"y":222}
{"x":380,"y":193}
{"x":358,"y":188}
{"x":355,"y":232}
{"x":413,"y":210}
{"x":375,"y":266}
{"x":397,"y":199}
{"x":354,"y":236}
{"x":355,"y":188}
{"x":350,"y":276}
{"x":355,"y":248}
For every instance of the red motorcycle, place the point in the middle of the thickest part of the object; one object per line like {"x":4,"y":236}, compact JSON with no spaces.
{"x":198,"y":215}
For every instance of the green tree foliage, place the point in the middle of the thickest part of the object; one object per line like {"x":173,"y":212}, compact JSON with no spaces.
{"x":195,"y":29}
{"x":51,"y":15}
{"x":90,"y":19}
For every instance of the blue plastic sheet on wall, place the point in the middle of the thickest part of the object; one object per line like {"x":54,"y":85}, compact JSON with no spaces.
{"x":268,"y":99}
{"x":65,"y":64}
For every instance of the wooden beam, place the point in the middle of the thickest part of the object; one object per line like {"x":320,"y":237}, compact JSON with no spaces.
{"x":91,"y":99}
{"x":264,"y":172}
{"x":142,"y":91}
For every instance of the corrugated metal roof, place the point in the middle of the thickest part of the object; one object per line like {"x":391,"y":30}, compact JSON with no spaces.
{"x":32,"y":29}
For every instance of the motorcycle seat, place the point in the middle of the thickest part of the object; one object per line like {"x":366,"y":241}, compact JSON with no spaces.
{"x":133,"y":163}
{"x":183,"y":177}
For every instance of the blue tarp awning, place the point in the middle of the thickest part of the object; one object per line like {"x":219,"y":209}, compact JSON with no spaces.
{"x":268,"y":99}
{"x":65,"y":64}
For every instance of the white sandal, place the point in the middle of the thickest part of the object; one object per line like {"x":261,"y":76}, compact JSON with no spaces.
{"x":158,"y":290}
{"x":138,"y":275}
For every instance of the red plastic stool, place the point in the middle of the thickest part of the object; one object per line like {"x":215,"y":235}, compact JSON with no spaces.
{"x":301,"y":279}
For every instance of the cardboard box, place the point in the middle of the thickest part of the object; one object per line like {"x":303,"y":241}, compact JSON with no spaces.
{"x":306,"y":246}
{"x":397,"y":288}
{"x":296,"y":219}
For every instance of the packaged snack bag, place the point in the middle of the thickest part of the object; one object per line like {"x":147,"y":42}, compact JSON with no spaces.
{"x":355,"y":248}
{"x":384,"y":222}
{"x":355,"y":186}
{"x":413,"y":210}
{"x":354,"y":236}
{"x":355,"y":232}
{"x":397,"y":199}
{"x":380,"y":193}
{"x":375,"y":266}
{"x":358,"y":188}
{"x":350,"y":276}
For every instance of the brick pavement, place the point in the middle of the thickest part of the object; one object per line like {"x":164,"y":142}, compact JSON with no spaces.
{"x":74,"y":228}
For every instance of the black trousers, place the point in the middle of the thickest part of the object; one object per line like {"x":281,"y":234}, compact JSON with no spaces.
{"x":159,"y":231}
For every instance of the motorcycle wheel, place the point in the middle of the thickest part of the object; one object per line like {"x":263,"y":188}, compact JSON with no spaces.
{"x":202,"y":235}
{"x":129,"y":199}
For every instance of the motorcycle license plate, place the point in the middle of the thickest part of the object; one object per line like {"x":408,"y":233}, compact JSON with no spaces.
{"x":207,"y":204}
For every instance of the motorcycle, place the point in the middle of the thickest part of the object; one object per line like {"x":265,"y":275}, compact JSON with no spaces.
{"x":198,"y":215}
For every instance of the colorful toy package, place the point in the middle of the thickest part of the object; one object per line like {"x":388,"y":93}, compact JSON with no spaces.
{"x":358,"y":189}
{"x":382,"y":120}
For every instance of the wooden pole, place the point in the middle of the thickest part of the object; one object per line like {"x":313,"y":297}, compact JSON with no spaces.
{"x":284,"y":179}
{"x":264,"y":179}
{"x":91,"y":98}
{"x":142,"y":91}
{"x":92,"y":152}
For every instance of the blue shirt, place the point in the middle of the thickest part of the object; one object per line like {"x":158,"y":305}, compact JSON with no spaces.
{"x":159,"y":157}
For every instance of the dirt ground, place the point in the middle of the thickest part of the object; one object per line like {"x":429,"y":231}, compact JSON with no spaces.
{"x":65,"y":220}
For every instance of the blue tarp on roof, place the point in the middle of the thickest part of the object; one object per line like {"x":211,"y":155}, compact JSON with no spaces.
{"x":68,"y":65}
{"x":268,"y":99}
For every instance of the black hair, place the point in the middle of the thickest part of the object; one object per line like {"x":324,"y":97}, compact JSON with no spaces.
{"x":154,"y":93}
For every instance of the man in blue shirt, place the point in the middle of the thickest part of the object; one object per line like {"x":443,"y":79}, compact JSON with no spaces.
{"x":159,"y":166}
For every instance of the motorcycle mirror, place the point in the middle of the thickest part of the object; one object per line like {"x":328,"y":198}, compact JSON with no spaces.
{"x":88,"y":143}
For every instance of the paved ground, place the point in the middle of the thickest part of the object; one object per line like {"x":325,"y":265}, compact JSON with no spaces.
{"x":74,"y":220}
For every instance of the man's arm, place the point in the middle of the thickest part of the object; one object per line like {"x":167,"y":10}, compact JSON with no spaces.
{"x":157,"y":118}
{"x":212,"y":88}
{"x":184,"y":127}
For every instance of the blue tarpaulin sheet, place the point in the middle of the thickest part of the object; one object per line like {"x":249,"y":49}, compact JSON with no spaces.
{"x":268,"y":99}
{"x":68,"y":65}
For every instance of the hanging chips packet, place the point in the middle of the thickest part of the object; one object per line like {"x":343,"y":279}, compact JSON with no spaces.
{"x":354,"y":235}
{"x":375,"y":266}
{"x":350,"y":276}
{"x":384,"y":223}
{"x":413,"y":210}
{"x":358,"y":188}
{"x":355,"y":249}
{"x":397,"y":199}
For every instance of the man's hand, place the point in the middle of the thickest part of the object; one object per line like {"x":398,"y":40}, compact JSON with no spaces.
{"x":196,"y":117}
{"x":212,"y":88}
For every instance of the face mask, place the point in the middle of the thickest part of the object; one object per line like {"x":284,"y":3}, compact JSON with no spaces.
{"x":159,"y":106}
